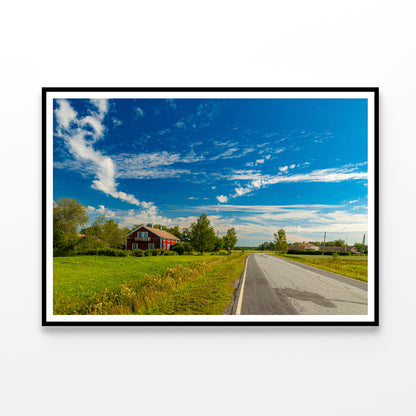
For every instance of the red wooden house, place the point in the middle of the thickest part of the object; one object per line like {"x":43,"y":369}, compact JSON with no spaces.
{"x":146,"y":237}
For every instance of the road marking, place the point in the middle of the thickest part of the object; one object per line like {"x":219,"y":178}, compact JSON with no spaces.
{"x":240,"y":299}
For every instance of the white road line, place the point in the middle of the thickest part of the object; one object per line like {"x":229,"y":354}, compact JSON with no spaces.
{"x":240,"y":299}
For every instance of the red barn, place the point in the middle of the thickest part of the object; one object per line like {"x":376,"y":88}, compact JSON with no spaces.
{"x":146,"y":238}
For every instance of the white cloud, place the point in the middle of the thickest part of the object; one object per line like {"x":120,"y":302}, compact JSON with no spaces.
{"x":180,"y":124}
{"x":322,"y":175}
{"x":292,"y":166}
{"x":80,"y":145}
{"x":222,"y":198}
{"x":102,"y":107}
{"x":153,"y":165}
{"x":65,"y":114}
{"x":261,"y":208}
{"x":226,"y":154}
{"x":241,"y":191}
{"x":140,"y":111}
{"x":239,"y":175}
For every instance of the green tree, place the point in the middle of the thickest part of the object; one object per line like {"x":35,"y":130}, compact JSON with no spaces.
{"x":68,"y":216}
{"x":219,"y":244}
{"x":202,"y":235}
{"x":107,"y":231}
{"x":230,"y":239}
{"x":175,"y":231}
{"x":178,"y":247}
{"x":359,"y":247}
{"x":316,"y":243}
{"x":186,"y":235}
{"x":280,"y":241}
{"x":188,"y":247}
{"x":266,"y":246}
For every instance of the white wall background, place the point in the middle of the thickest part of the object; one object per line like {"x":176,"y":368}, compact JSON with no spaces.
{"x":204,"y":371}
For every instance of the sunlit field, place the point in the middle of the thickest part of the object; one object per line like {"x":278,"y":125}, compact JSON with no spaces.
{"x":145,"y":285}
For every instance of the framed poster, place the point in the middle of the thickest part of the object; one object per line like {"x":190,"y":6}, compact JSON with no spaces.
{"x":210,"y":206}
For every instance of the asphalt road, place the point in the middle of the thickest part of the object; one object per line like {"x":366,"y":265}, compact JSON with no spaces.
{"x":274,"y":286}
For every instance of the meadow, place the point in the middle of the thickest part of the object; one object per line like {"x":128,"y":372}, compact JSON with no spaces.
{"x":351,"y":266}
{"x":145,"y":285}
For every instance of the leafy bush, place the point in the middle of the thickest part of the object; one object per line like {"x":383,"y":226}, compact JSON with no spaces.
{"x":224,"y":253}
{"x":59,"y":252}
{"x":103,"y":252}
{"x":90,"y":243}
{"x":178,"y":248}
{"x":170,"y":253}
{"x":318,"y":252}
{"x":189,"y":249}
{"x":136,"y":253}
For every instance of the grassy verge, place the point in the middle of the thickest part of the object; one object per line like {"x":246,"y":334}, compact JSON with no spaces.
{"x":153,"y":285}
{"x":351,"y":266}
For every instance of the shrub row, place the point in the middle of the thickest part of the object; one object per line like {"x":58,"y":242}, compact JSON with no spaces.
{"x":222,"y":253}
{"x":102,"y":252}
{"x":183,"y":248}
{"x":151,"y":252}
{"x":317,"y":252}
{"x":122,"y":253}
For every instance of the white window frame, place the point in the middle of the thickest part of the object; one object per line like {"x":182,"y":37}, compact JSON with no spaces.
{"x":134,"y":246}
{"x":151,"y":246}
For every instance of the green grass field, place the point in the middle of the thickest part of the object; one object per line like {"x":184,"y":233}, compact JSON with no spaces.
{"x":351,"y":266}
{"x":144,"y":285}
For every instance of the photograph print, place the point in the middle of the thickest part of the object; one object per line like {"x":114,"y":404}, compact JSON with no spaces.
{"x":210,"y":206}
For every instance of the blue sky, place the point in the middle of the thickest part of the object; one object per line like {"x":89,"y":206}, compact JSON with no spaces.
{"x":257,"y":165}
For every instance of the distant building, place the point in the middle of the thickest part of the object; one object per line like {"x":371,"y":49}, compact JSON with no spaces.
{"x":146,"y":237}
{"x":302,"y":246}
{"x":351,"y":249}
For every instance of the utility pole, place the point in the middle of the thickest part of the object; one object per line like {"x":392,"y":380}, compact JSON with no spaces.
{"x":323,"y":247}
{"x":362,"y":248}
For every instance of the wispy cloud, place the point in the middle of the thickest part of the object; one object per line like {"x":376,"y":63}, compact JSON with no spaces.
{"x":260,"y":208}
{"x":140,"y":111}
{"x":153,"y":165}
{"x":171,"y":103}
{"x":80,"y":142}
{"x":322,"y":175}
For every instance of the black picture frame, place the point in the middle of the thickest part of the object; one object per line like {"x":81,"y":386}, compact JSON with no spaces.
{"x":47,"y":187}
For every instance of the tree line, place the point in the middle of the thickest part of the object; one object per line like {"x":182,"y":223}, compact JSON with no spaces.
{"x":280,"y":243}
{"x":69,"y":231}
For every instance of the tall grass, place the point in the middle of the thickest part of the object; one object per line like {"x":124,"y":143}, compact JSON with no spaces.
{"x":355,"y":267}
{"x":205,"y":287}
